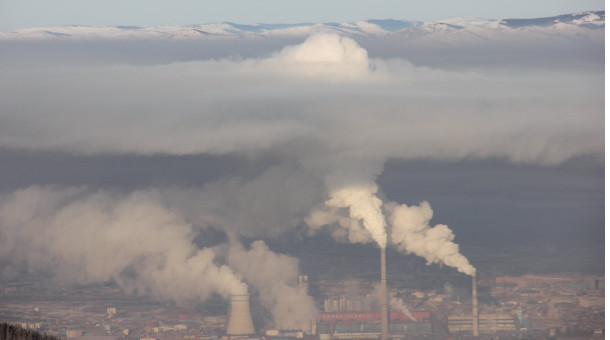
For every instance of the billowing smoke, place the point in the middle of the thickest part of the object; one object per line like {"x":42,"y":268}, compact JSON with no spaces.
{"x":275,"y":277}
{"x":363,"y":206}
{"x":91,"y":237}
{"x":325,"y":55}
{"x":396,"y":304}
{"x":353,"y":203}
{"x":343,"y":227}
{"x":412,"y":234}
{"x":137,"y":241}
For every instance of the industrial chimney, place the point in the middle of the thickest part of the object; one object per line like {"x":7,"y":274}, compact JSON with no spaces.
{"x":475,"y":306}
{"x":240,"y":320}
{"x":384,"y":298}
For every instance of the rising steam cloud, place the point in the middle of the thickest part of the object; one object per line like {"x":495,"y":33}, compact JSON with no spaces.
{"x":137,"y":241}
{"x":363,"y":206}
{"x":90,"y":237}
{"x":275,"y":276}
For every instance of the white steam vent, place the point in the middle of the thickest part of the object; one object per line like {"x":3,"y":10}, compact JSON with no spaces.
{"x":240,"y":320}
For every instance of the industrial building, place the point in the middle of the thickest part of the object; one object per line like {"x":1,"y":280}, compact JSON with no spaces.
{"x":240,"y":320}
{"x":355,"y":325}
{"x":488,"y":323}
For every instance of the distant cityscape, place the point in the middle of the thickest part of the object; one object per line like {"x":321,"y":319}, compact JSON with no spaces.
{"x":510,"y":307}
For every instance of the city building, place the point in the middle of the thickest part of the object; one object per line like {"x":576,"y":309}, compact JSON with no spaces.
{"x":362,"y":325}
{"x":488,"y":323}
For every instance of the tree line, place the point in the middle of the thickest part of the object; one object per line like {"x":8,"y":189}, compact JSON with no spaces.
{"x":15,"y":332}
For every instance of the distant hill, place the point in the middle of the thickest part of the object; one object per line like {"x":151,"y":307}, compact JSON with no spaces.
{"x":13,"y":332}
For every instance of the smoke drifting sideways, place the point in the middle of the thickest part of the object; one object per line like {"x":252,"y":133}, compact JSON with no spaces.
{"x":331,"y":114}
{"x":363,"y":206}
{"x":411,"y":233}
{"x":90,"y":237}
{"x":139,"y":243}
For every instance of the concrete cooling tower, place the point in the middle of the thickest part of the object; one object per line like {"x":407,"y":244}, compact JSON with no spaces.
{"x":240,"y":320}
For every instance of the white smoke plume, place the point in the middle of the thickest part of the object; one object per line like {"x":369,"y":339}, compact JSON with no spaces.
{"x":275,"y":276}
{"x":363,"y":206}
{"x":411,"y":233}
{"x":371,"y":302}
{"x":142,"y":242}
{"x":92,"y":237}
{"x":350,"y":185}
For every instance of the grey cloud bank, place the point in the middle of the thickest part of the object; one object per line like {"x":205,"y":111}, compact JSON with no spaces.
{"x":305,"y":95}
{"x":319,"y":117}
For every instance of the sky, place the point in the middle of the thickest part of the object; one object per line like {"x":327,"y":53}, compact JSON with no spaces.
{"x":216,"y":159}
{"x":18,"y":14}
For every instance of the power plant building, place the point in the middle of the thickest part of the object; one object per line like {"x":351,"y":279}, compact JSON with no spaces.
{"x":488,"y":323}
{"x":343,"y":304}
{"x":355,"y":325}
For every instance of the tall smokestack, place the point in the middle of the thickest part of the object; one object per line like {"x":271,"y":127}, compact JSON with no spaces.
{"x":475,"y":306}
{"x":240,"y":320}
{"x":384,"y":298}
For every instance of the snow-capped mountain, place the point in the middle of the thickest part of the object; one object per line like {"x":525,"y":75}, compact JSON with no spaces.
{"x":586,"y":19}
{"x":389,"y":27}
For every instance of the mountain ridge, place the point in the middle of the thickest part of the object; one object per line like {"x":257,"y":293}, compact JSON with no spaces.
{"x":371,"y":27}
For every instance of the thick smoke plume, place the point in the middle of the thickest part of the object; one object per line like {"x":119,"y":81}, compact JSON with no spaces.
{"x":137,"y":241}
{"x":363,"y":206}
{"x":412,"y":234}
{"x":275,"y":277}
{"x":91,"y":237}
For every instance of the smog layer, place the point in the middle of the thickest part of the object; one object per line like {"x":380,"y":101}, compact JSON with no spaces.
{"x":167,"y":165}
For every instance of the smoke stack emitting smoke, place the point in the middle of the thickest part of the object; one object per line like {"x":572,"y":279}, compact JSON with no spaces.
{"x":363,"y":206}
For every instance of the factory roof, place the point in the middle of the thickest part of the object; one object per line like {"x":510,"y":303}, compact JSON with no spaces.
{"x":360,"y":317}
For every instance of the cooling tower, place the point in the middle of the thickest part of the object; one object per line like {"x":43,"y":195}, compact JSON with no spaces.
{"x":384,"y":298}
{"x":240,"y":320}
{"x":475,"y":306}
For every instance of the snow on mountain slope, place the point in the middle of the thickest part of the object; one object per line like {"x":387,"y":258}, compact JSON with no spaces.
{"x":589,"y":19}
{"x":467,"y":26}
